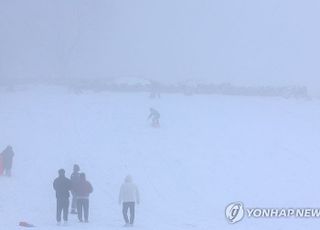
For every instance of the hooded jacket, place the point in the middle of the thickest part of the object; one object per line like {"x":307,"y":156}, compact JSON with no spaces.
{"x":129,"y":191}
{"x":83,"y":188}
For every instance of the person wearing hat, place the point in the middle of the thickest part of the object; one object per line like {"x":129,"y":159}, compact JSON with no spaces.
{"x":62,"y":186}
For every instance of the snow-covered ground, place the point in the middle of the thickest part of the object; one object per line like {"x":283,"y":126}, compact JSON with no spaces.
{"x":209,"y":151}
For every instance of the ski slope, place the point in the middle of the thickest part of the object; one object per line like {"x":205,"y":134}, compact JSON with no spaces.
{"x":209,"y":151}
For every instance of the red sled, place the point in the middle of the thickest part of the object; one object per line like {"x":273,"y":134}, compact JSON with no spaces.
{"x":25,"y":224}
{"x":1,"y":165}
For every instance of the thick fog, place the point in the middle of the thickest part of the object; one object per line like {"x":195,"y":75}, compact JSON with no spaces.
{"x":243,"y":42}
{"x":180,"y":114}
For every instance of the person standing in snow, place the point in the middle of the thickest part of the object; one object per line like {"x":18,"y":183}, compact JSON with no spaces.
{"x":75,"y":177}
{"x":7,"y":158}
{"x":62,"y":186}
{"x":155,"y":116}
{"x":82,"y":191}
{"x":128,"y":196}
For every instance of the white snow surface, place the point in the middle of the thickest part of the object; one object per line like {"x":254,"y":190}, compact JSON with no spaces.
{"x":208,"y":152}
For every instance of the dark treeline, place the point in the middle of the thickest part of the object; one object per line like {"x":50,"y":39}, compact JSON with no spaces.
{"x":155,"y":88}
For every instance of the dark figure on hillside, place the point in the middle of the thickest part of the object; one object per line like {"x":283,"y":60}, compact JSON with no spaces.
{"x":75,"y":178}
{"x":7,"y":158}
{"x":155,"y":116}
{"x":83,"y":190}
{"x":128,"y":196}
{"x":62,"y":186}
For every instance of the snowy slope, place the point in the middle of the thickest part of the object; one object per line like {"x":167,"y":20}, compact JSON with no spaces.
{"x":209,"y":151}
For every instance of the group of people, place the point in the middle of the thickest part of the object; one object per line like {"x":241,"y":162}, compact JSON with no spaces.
{"x":6,"y":158}
{"x":81,"y":188}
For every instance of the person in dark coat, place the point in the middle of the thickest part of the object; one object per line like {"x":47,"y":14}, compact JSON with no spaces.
{"x":62,"y":186}
{"x":7,"y":158}
{"x":75,"y":177}
{"x":83,"y":190}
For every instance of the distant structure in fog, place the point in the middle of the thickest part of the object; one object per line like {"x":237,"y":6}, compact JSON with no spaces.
{"x":142,"y":84}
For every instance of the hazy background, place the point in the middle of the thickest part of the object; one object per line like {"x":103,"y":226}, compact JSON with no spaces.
{"x":247,"y":42}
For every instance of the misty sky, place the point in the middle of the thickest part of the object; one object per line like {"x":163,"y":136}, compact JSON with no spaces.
{"x":239,"y":41}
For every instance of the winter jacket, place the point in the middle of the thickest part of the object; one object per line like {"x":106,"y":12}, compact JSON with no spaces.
{"x":75,"y":178}
{"x":62,"y":186}
{"x":154,"y":114}
{"x":129,"y":192}
{"x":7,"y":156}
{"x":83,"y":189}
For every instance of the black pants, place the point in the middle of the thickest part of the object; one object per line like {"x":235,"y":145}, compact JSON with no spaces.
{"x":83,"y":204}
{"x":62,"y":206}
{"x":125,"y":207}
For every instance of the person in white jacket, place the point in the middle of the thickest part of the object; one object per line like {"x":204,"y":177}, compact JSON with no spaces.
{"x":128,"y":196}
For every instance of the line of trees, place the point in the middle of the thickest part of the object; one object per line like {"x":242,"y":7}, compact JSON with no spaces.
{"x":155,"y":88}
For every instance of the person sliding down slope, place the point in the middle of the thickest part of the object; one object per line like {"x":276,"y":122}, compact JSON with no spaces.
{"x":155,"y":116}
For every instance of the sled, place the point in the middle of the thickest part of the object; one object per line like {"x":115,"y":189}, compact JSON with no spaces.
{"x":26,"y":224}
{"x":1,"y":165}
